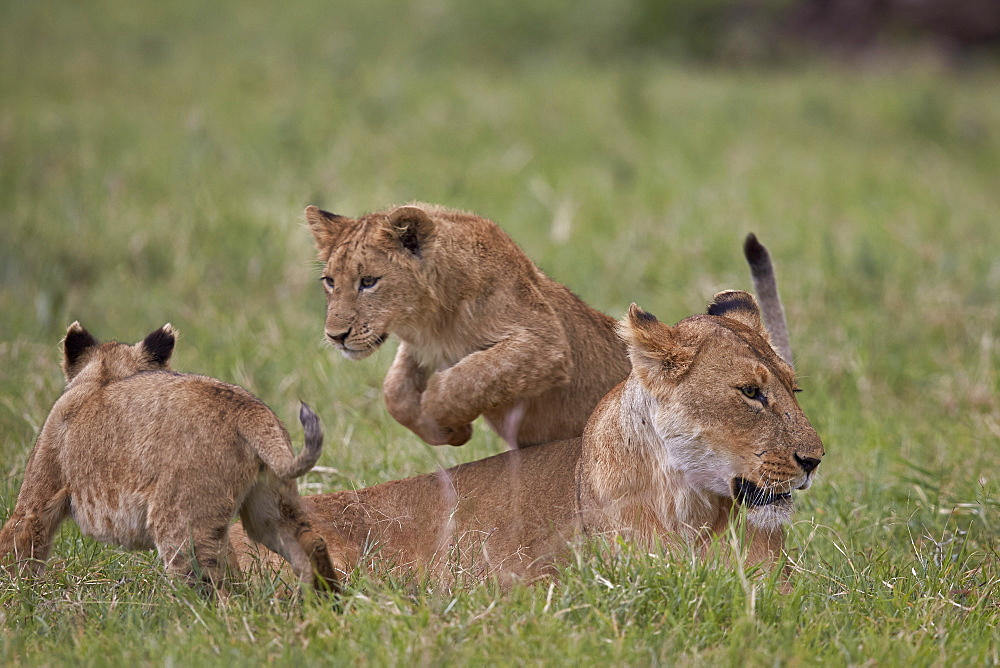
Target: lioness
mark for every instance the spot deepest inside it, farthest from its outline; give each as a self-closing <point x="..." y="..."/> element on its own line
<point x="142" y="457"/>
<point x="706" y="421"/>
<point x="482" y="330"/>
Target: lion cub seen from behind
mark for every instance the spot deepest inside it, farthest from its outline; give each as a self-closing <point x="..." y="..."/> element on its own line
<point x="143" y="457"/>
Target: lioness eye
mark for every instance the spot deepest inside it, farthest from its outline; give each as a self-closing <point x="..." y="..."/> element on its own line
<point x="327" y="281"/>
<point x="367" y="282"/>
<point x="750" y="391"/>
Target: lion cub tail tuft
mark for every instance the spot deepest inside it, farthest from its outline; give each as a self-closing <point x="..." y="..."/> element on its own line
<point x="290" y="468"/>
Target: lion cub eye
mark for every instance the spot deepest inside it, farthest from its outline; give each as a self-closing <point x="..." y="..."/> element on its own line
<point x="327" y="281"/>
<point x="751" y="392"/>
<point x="367" y="282"/>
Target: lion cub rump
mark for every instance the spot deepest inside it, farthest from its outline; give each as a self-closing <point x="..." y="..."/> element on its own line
<point x="144" y="457"/>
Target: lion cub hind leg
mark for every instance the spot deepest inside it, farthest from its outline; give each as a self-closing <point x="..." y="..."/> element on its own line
<point x="196" y="551"/>
<point x="272" y="515"/>
<point x="271" y="512"/>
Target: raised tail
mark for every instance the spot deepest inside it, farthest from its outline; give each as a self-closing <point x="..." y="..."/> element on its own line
<point x="766" y="287"/>
<point x="288" y="469"/>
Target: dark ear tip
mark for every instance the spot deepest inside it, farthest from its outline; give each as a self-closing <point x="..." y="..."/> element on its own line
<point x="160" y="343"/>
<point x="77" y="340"/>
<point x="408" y="213"/>
<point x="314" y="213"/>
<point x="728" y="301"/>
<point x="77" y="333"/>
<point x="637" y="314"/>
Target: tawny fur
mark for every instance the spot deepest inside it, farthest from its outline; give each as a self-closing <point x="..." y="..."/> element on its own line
<point x="482" y="330"/>
<point x="143" y="457"/>
<point x="660" y="462"/>
<point x="766" y="285"/>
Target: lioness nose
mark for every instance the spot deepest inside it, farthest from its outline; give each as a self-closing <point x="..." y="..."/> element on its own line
<point x="807" y="463"/>
<point x="338" y="338"/>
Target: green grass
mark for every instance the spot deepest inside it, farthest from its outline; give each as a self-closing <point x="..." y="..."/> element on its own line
<point x="154" y="163"/>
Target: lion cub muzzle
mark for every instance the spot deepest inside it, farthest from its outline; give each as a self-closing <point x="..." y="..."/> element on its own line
<point x="354" y="344"/>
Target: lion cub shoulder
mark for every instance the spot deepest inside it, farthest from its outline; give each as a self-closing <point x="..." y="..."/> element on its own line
<point x="143" y="457"/>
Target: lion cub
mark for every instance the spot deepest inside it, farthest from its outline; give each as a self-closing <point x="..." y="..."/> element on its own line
<point x="142" y="457"/>
<point x="482" y="330"/>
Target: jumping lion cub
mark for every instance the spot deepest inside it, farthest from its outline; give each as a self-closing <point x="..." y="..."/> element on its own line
<point x="143" y="457"/>
<point x="482" y="330"/>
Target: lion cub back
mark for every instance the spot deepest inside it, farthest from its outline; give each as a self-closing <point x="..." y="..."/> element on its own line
<point x="157" y="444"/>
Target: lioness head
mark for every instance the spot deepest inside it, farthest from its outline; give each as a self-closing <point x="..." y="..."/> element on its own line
<point x="371" y="274"/>
<point x="725" y="403"/>
<point x="85" y="355"/>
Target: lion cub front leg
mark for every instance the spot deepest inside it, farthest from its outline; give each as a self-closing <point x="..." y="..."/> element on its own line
<point x="273" y="516"/>
<point x="516" y="368"/>
<point x="42" y="505"/>
<point x="403" y="387"/>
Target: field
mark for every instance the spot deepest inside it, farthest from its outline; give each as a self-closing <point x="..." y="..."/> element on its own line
<point x="154" y="164"/>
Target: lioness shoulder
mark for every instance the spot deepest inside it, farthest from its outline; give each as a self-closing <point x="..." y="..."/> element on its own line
<point x="482" y="330"/>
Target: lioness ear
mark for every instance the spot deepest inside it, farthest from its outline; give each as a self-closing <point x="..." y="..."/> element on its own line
<point x="159" y="344"/>
<point x="325" y="228"/>
<point x="739" y="306"/>
<point x="78" y="340"/>
<point x="411" y="226"/>
<point x="653" y="347"/>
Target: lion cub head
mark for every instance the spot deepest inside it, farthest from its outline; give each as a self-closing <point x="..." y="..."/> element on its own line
<point x="107" y="362"/>
<point x="372" y="275"/>
<point x="722" y="406"/>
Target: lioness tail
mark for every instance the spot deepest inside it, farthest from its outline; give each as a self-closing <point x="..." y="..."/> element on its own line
<point x="766" y="287"/>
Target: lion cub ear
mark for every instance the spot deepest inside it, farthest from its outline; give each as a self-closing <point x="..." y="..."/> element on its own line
<point x="159" y="344"/>
<point x="77" y="341"/>
<point x="654" y="348"/>
<point x="739" y="306"/>
<point x="325" y="228"/>
<point x="411" y="226"/>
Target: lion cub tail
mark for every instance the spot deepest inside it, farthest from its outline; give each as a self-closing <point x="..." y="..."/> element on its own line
<point x="279" y="460"/>
<point x="766" y="286"/>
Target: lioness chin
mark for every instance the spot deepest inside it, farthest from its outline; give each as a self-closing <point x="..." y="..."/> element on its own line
<point x="143" y="457"/>
<point x="706" y="422"/>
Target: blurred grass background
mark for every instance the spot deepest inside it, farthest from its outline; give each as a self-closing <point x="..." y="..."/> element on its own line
<point x="154" y="163"/>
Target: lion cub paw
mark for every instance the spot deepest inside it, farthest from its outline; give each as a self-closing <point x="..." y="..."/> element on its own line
<point x="435" y="434"/>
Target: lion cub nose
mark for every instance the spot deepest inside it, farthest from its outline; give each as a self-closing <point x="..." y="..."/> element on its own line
<point x="808" y="464"/>
<point x="338" y="338"/>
